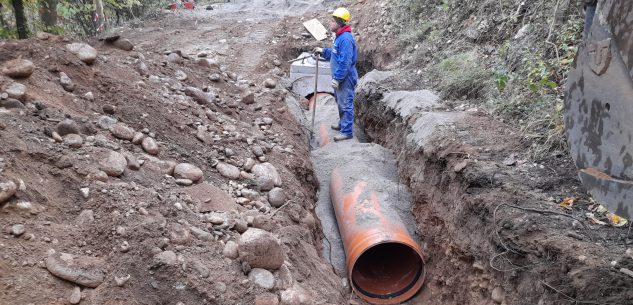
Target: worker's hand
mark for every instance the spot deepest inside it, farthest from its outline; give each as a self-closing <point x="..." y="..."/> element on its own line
<point x="335" y="84"/>
<point x="318" y="50"/>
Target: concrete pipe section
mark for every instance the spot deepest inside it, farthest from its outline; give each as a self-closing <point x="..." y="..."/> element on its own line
<point x="364" y="211"/>
<point x="302" y="74"/>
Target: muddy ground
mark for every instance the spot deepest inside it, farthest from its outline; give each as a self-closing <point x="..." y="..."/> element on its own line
<point x="489" y="219"/>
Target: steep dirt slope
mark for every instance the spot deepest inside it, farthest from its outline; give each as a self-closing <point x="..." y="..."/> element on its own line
<point x="143" y="236"/>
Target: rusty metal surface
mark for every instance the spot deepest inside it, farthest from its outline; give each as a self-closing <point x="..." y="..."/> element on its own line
<point x="607" y="189"/>
<point x="599" y="107"/>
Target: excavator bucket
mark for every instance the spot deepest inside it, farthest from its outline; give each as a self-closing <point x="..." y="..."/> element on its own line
<point x="599" y="107"/>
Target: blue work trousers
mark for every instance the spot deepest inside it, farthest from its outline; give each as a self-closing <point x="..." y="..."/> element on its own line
<point x="345" y="99"/>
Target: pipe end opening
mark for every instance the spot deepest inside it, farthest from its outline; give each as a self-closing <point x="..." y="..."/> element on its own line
<point x="388" y="271"/>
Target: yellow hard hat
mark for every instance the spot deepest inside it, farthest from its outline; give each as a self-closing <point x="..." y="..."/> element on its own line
<point x="342" y="13"/>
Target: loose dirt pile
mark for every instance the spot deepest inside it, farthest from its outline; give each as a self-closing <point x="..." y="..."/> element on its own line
<point x="159" y="175"/>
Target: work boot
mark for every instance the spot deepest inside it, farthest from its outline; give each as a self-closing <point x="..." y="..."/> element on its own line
<point x="342" y="137"/>
<point x="336" y="127"/>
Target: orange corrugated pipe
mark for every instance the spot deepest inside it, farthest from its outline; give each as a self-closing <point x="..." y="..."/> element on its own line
<point x="311" y="100"/>
<point x="324" y="135"/>
<point x="384" y="264"/>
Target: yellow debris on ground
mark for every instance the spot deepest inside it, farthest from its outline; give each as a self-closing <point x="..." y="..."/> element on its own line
<point x="616" y="220"/>
<point x="568" y="202"/>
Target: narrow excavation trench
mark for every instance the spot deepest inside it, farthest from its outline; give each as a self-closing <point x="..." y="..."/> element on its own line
<point x="445" y="187"/>
<point x="447" y="179"/>
<point x="364" y="210"/>
<point x="391" y="271"/>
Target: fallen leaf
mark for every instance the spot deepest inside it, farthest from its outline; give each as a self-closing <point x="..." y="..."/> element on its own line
<point x="601" y="209"/>
<point x="616" y="220"/>
<point x="595" y="220"/>
<point x="568" y="202"/>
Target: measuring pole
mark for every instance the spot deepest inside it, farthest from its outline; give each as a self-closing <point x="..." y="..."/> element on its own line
<point x="316" y="88"/>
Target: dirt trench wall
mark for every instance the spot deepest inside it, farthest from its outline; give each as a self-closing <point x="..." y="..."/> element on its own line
<point x="452" y="162"/>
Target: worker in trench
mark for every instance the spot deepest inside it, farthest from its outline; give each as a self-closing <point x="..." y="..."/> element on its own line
<point x="342" y="57"/>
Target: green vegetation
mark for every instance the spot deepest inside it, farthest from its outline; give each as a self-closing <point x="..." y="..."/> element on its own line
<point x="461" y="75"/>
<point x="417" y="34"/>
<point x="71" y="17"/>
<point x="516" y="66"/>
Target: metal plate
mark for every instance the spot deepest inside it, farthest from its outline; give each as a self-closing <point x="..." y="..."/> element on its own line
<point x="617" y="194"/>
<point x="618" y="14"/>
<point x="599" y="109"/>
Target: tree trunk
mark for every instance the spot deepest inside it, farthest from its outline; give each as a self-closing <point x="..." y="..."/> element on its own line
<point x="48" y="12"/>
<point x="99" y="16"/>
<point x="20" y="19"/>
<point x="4" y="24"/>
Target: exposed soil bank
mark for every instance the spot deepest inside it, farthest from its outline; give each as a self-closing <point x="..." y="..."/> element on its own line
<point x="491" y="225"/>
